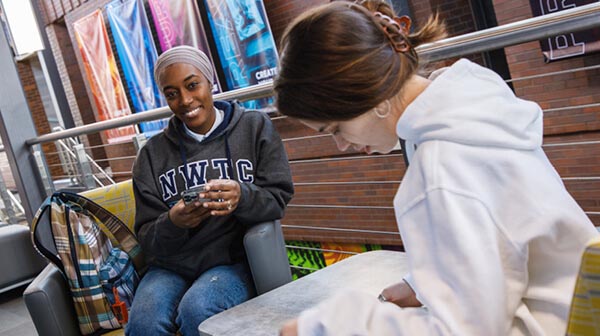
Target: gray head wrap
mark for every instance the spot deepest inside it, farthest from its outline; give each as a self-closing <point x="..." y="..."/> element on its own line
<point x="184" y="54"/>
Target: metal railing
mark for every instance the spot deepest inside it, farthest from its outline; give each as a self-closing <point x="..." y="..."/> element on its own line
<point x="78" y="164"/>
<point x="537" y="28"/>
<point x="244" y="94"/>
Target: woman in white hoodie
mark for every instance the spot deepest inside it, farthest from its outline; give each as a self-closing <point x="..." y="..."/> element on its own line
<point x="493" y="238"/>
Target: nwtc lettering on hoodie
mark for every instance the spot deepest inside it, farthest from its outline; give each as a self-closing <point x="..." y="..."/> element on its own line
<point x="194" y="174"/>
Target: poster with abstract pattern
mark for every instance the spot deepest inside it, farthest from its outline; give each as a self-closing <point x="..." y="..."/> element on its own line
<point x="137" y="54"/>
<point x="244" y="42"/>
<point x="178" y="22"/>
<point x="307" y="257"/>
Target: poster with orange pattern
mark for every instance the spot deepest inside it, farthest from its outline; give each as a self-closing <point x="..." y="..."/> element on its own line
<point x="345" y="251"/>
<point x="102" y="74"/>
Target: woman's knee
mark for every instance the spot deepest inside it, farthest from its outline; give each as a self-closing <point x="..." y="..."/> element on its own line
<point x="151" y="315"/>
<point x="228" y="285"/>
<point x="216" y="290"/>
<point x="196" y="310"/>
<point x="191" y="313"/>
<point x="155" y="303"/>
<point x="150" y="322"/>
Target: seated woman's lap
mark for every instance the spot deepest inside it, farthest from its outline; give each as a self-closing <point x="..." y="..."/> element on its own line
<point x="165" y="302"/>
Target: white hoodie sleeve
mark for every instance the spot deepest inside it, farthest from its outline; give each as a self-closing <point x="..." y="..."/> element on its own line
<point x="457" y="255"/>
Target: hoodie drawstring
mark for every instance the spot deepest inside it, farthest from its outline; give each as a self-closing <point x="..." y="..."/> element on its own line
<point x="228" y="154"/>
<point x="183" y="155"/>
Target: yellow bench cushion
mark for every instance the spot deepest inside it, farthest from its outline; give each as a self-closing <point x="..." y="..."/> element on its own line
<point x="117" y="198"/>
<point x="584" y="318"/>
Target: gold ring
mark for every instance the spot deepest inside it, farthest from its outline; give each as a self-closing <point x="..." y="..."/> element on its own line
<point x="229" y="206"/>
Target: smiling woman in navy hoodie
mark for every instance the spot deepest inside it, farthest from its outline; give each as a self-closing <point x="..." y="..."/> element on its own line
<point x="493" y="238"/>
<point x="197" y="260"/>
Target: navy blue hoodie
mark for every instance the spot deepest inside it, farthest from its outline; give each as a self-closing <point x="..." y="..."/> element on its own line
<point x="245" y="147"/>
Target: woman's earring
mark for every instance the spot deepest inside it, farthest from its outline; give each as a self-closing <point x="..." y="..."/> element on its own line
<point x="383" y="112"/>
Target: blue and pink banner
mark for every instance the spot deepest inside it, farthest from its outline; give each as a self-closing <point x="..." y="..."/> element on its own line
<point x="178" y="22"/>
<point x="244" y="42"/>
<point x="137" y="53"/>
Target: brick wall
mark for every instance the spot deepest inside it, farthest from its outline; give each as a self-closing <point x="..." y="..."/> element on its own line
<point x="36" y="108"/>
<point x="578" y="162"/>
<point x="66" y="62"/>
<point x="457" y="16"/>
<point x="556" y="91"/>
<point x="456" y="13"/>
<point x="55" y="10"/>
<point x="282" y="12"/>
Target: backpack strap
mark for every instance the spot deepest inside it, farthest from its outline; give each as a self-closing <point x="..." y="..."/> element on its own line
<point x="37" y="244"/>
<point x="112" y="223"/>
<point x="124" y="236"/>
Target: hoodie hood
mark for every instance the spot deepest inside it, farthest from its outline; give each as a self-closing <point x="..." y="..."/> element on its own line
<point x="472" y="105"/>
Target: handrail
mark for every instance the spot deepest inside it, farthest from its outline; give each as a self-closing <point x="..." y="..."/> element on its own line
<point x="16" y="202"/>
<point x="536" y="28"/>
<point x="243" y="94"/>
<point x="570" y="20"/>
<point x="91" y="160"/>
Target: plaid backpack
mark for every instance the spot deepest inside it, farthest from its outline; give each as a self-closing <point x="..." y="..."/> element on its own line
<point x="98" y="255"/>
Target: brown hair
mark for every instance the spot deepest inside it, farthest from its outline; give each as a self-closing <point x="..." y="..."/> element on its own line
<point x="337" y="60"/>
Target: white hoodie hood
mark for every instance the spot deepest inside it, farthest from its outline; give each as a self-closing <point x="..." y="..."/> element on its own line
<point x="467" y="89"/>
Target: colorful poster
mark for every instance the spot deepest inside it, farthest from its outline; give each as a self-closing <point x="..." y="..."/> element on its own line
<point x="244" y="42"/>
<point x="307" y="257"/>
<point x="137" y="53"/>
<point x="569" y="44"/>
<point x="304" y="258"/>
<point x="178" y="22"/>
<point x="102" y="74"/>
<point x="332" y="256"/>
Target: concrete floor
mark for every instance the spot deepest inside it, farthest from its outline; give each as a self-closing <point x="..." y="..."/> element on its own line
<point x="14" y="317"/>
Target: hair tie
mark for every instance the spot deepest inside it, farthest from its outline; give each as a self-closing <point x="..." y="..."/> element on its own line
<point x="401" y="23"/>
<point x="403" y="26"/>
